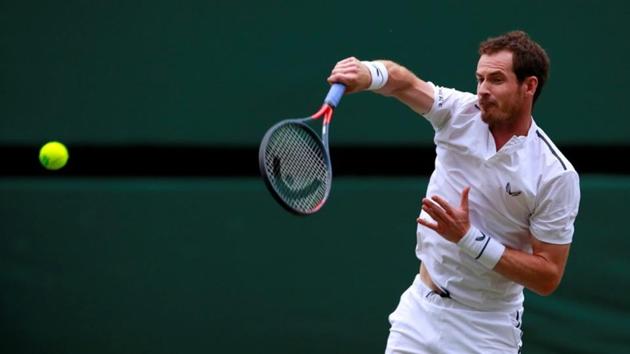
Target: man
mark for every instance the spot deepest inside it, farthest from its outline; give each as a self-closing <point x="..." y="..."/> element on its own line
<point x="500" y="203"/>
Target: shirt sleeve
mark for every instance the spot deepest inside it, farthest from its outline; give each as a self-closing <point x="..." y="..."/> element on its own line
<point x="446" y="103"/>
<point x="553" y="218"/>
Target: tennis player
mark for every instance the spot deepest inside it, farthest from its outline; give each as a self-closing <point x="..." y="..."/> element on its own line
<point x="500" y="205"/>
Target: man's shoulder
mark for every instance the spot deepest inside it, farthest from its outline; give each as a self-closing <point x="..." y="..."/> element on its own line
<point x="452" y="97"/>
<point x="555" y="162"/>
<point x="450" y="104"/>
<point x="555" y="171"/>
<point x="465" y="107"/>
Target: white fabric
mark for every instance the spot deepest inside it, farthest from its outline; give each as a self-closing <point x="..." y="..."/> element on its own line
<point x="481" y="247"/>
<point x="425" y="323"/>
<point x="378" y="73"/>
<point x="527" y="186"/>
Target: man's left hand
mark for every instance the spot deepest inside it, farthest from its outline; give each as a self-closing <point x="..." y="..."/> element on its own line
<point x="452" y="223"/>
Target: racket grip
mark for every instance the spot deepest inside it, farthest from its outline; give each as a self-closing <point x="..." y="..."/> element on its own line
<point x="334" y="94"/>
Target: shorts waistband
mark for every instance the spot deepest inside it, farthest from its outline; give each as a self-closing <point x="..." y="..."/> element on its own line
<point x="444" y="299"/>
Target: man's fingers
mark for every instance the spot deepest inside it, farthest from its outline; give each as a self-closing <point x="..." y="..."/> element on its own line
<point x="427" y="223"/>
<point x="443" y="203"/>
<point x="342" y="76"/>
<point x="345" y="71"/>
<point x="347" y="60"/>
<point x="433" y="209"/>
<point x="352" y="73"/>
<point x="348" y="64"/>
<point x="464" y="202"/>
<point x="449" y="220"/>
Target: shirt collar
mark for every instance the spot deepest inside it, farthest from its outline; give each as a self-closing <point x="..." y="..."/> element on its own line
<point x="518" y="140"/>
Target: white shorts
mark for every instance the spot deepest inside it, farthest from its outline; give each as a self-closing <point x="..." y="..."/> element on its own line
<point x="424" y="322"/>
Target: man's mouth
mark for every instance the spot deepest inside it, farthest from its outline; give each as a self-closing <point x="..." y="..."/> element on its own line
<point x="486" y="104"/>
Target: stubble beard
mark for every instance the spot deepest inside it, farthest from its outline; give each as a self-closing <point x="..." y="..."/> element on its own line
<point x="494" y="116"/>
<point x="498" y="115"/>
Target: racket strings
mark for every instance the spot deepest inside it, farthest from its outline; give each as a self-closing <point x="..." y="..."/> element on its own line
<point x="297" y="167"/>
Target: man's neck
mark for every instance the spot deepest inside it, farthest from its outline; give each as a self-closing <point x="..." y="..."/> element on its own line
<point x="502" y="133"/>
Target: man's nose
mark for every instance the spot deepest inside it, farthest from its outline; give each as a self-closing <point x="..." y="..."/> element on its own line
<point x="482" y="89"/>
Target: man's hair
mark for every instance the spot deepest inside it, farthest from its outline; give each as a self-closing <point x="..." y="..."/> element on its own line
<point x="528" y="57"/>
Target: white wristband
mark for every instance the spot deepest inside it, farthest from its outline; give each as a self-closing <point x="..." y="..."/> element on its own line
<point x="378" y="72"/>
<point x="484" y="249"/>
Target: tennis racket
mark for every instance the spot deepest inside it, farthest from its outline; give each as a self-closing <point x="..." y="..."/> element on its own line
<point x="295" y="162"/>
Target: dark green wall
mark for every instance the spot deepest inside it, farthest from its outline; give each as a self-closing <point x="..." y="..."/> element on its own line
<point x="215" y="266"/>
<point x="221" y="72"/>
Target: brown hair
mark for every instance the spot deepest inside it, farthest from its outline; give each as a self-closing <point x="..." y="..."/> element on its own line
<point x="528" y="57"/>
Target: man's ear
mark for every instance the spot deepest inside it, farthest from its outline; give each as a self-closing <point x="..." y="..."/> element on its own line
<point x="530" y="84"/>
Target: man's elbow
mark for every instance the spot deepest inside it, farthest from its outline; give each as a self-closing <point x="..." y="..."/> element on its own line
<point x="548" y="285"/>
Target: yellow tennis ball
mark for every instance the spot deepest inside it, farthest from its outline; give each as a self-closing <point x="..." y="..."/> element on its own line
<point x="53" y="155"/>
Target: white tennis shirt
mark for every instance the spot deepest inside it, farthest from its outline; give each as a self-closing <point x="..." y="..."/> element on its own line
<point x="527" y="186"/>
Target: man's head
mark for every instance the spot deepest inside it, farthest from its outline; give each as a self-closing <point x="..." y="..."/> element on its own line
<point x="511" y="72"/>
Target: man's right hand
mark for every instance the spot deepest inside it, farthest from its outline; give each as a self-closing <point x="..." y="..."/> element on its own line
<point x="352" y="73"/>
<point x="401" y="83"/>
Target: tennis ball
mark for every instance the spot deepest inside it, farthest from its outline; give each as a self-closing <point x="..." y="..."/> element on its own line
<point x="53" y="155"/>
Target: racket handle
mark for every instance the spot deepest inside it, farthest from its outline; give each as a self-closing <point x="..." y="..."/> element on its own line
<point x="334" y="94"/>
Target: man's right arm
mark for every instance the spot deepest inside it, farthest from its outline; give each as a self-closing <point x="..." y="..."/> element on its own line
<point x="402" y="84"/>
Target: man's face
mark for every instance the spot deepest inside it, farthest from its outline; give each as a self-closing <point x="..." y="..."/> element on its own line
<point x="501" y="96"/>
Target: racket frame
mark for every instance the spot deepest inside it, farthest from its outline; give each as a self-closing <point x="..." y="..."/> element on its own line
<point x="326" y="112"/>
<point x="323" y="144"/>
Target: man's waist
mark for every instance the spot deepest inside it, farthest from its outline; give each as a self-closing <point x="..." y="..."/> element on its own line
<point x="479" y="299"/>
<point x="425" y="277"/>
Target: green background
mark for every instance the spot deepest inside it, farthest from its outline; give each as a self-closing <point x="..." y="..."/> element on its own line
<point x="199" y="72"/>
<point x="215" y="266"/>
<point x="203" y="265"/>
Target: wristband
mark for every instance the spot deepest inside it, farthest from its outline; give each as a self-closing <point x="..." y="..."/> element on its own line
<point x="481" y="247"/>
<point x="378" y="72"/>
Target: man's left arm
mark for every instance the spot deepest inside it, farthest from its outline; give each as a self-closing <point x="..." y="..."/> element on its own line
<point x="541" y="271"/>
